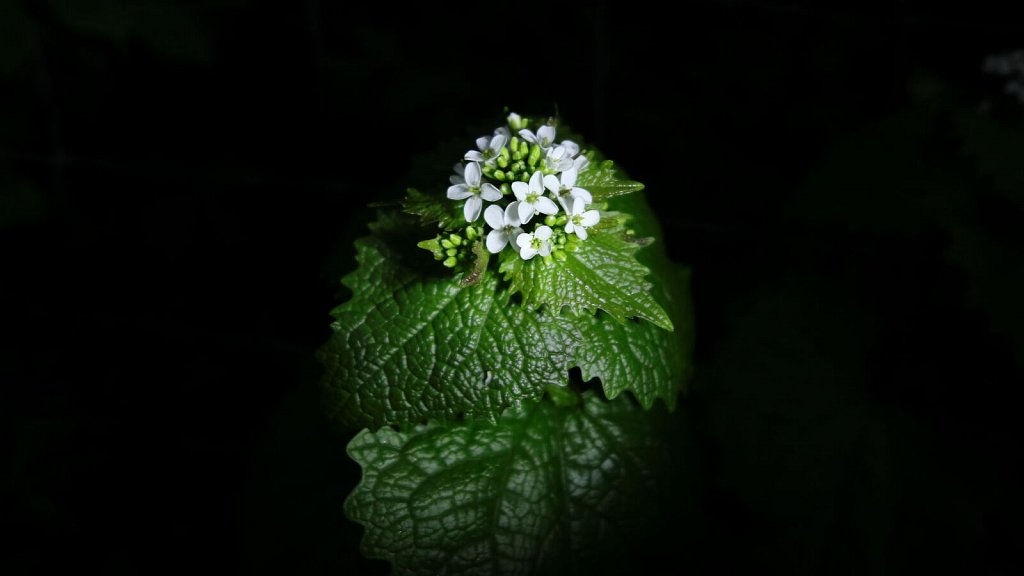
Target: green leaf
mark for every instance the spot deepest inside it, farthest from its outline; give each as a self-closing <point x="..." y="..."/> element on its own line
<point x="603" y="181"/>
<point x="603" y="274"/>
<point x="411" y="346"/>
<point x="665" y="358"/>
<point x="618" y="352"/>
<point x="544" y="490"/>
<point x="432" y="209"/>
<point x="408" y="348"/>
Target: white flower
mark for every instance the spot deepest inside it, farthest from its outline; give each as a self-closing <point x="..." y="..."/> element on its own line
<point x="558" y="159"/>
<point x="565" y="190"/>
<point x="572" y="148"/>
<point x="472" y="191"/>
<point x="531" y="198"/>
<point x="489" y="148"/>
<point x="505" y="226"/>
<point x="545" y="136"/>
<point x="579" y="220"/>
<point x="539" y="242"/>
<point x="580" y="163"/>
<point x="515" y="121"/>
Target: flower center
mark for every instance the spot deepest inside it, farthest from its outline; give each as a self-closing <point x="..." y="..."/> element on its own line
<point x="535" y="243"/>
<point x="577" y="220"/>
<point x="532" y="197"/>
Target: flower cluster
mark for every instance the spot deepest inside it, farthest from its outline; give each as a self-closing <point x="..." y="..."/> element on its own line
<point x="528" y="178"/>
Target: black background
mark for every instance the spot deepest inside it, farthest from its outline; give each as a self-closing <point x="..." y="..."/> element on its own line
<point x="181" y="184"/>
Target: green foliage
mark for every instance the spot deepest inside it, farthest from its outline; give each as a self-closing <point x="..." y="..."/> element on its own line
<point x="432" y="209"/>
<point x="480" y="455"/>
<point x="408" y="348"/>
<point x="603" y="274"/>
<point x="538" y="492"/>
<point x="603" y="181"/>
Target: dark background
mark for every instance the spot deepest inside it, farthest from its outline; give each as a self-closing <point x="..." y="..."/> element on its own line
<point x="180" y="183"/>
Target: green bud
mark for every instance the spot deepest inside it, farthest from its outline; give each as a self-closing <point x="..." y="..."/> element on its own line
<point x="445" y="243"/>
<point x="506" y="189"/>
<point x="550" y="220"/>
<point x="498" y="175"/>
<point x="560" y="255"/>
<point x="450" y="262"/>
<point x="452" y="251"/>
<point x="504" y="153"/>
<point x="456" y="239"/>
<point x="519" y="166"/>
<point x="503" y="161"/>
<point x="524" y="176"/>
<point x="534" y="154"/>
<point x="471" y="233"/>
<point x="524" y="148"/>
<point x="548" y="260"/>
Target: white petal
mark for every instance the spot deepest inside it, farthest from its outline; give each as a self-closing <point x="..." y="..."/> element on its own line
<point x="456" y="179"/>
<point x="561" y="165"/>
<point x="582" y="195"/>
<point x="473" y="175"/>
<point x="551" y="183"/>
<point x="503" y="131"/>
<point x="566" y="207"/>
<point x="542" y="232"/>
<point x="482" y="142"/>
<point x="514" y="118"/>
<point x="555" y="154"/>
<point x="525" y="212"/>
<point x="523" y="240"/>
<point x="458" y="192"/>
<point x="546" y="135"/>
<point x="581" y="232"/>
<point x="460" y="169"/>
<point x="472" y="208"/>
<point x="569" y="178"/>
<point x="527" y="252"/>
<point x="537" y="183"/>
<point x="494" y="217"/>
<point x="497" y="142"/>
<point x="496" y="240"/>
<point x="473" y="156"/>
<point x="577" y="206"/>
<point x="528" y="135"/>
<point x="514" y="235"/>
<point x="590" y="218"/>
<point x="545" y="205"/>
<point x="520" y="189"/>
<point x="512" y="214"/>
<point x="571" y="147"/>
<point x="490" y="192"/>
<point x="580" y="163"/>
<point x="569" y="227"/>
<point x="545" y="249"/>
